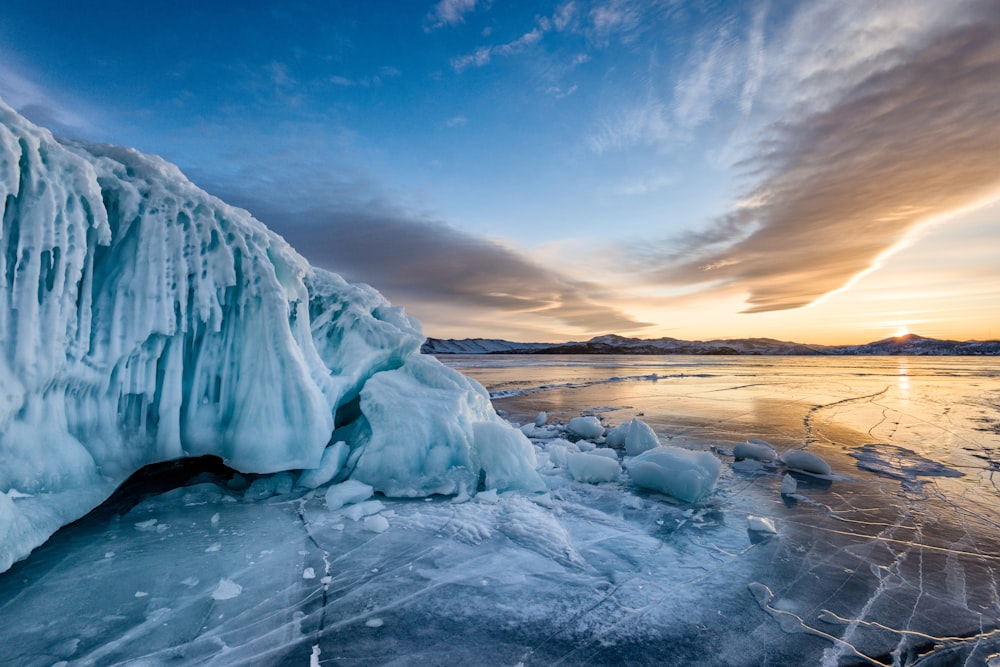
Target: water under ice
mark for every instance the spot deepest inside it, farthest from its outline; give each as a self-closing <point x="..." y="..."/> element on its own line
<point x="893" y="558"/>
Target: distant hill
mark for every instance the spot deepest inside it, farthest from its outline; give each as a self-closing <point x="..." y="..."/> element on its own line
<point x="909" y="345"/>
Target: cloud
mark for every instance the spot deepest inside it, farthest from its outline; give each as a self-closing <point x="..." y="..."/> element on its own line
<point x="484" y="54"/>
<point x="456" y="121"/>
<point x="900" y="138"/>
<point x="448" y="13"/>
<point x="645" y="122"/>
<point x="357" y="231"/>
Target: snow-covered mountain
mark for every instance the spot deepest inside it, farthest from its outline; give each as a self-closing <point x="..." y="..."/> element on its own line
<point x="914" y="345"/>
<point x="910" y="344"/>
<point x="143" y="320"/>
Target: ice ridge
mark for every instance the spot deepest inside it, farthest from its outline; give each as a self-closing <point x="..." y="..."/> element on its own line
<point x="144" y="320"/>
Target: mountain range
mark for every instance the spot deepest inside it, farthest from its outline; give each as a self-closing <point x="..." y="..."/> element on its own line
<point x="908" y="345"/>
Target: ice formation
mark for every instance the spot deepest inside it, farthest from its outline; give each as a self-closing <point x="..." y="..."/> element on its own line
<point x="586" y="427"/>
<point x="144" y="320"/>
<point x="753" y="448"/>
<point x="640" y="438"/>
<point x="684" y="474"/>
<point x="798" y="459"/>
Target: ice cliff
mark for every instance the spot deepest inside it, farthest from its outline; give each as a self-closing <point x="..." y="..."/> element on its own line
<point x="144" y="320"/>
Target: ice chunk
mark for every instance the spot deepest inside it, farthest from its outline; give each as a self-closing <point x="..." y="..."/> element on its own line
<point x="586" y="427"/>
<point x="334" y="458"/>
<point x="144" y="320"/>
<point x="346" y="493"/>
<point x="806" y="462"/>
<point x="226" y="590"/>
<point x="429" y="429"/>
<point x="684" y="474"/>
<point x="755" y="449"/>
<point x="760" y="524"/>
<point x="605" y="452"/>
<point x="361" y="510"/>
<point x="616" y="436"/>
<point x="593" y="469"/>
<point x="541" y="418"/>
<point x="760" y="529"/>
<point x="788" y="485"/>
<point x="376" y="523"/>
<point x="640" y="438"/>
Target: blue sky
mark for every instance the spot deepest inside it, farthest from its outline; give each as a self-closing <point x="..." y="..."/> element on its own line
<point x="545" y="171"/>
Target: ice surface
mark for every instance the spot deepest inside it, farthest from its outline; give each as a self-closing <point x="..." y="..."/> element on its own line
<point x="144" y="320"/>
<point x="865" y="568"/>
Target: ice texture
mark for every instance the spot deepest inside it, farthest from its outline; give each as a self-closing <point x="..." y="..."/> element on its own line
<point x="143" y="320"/>
<point x="684" y="474"/>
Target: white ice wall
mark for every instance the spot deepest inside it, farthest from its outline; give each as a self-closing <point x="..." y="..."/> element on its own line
<point x="142" y="320"/>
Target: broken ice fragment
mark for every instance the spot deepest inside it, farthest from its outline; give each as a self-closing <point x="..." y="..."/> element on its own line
<point x="640" y="438"/>
<point x="755" y="449"/>
<point x="346" y="493"/>
<point x="681" y="473"/>
<point x="760" y="524"/>
<point x="788" y="485"/>
<point x="806" y="462"/>
<point x="227" y="589"/>
<point x="586" y="427"/>
<point x="376" y="523"/>
<point x="593" y="469"/>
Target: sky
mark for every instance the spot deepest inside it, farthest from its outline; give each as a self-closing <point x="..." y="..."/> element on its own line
<point x="824" y="171"/>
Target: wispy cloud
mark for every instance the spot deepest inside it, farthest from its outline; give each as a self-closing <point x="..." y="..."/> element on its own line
<point x="448" y="13"/>
<point x="456" y="121"/>
<point x="71" y="119"/>
<point x="484" y="54"/>
<point x="905" y="135"/>
<point x="644" y="122"/>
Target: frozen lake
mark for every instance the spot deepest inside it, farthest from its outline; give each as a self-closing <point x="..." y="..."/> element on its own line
<point x="894" y="559"/>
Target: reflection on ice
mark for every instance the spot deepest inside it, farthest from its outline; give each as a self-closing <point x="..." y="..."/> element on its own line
<point x="893" y="558"/>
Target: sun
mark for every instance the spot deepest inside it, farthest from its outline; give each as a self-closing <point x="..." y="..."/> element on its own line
<point x="901" y="331"/>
